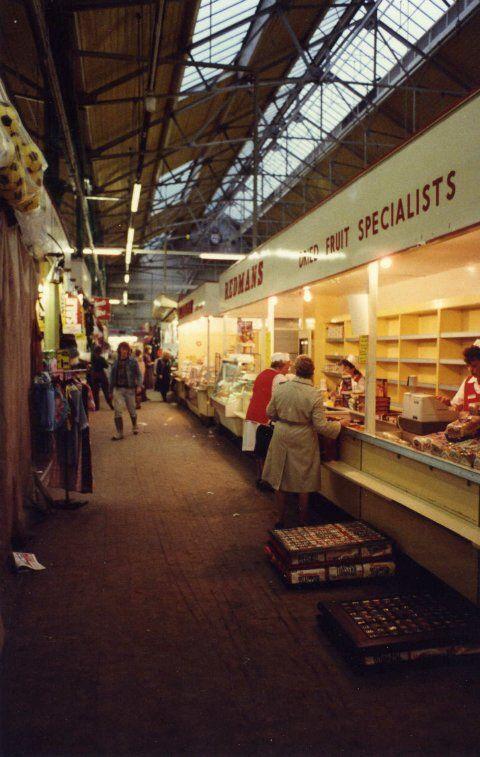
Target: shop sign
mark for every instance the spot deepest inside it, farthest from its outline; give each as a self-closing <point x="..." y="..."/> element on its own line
<point x="363" y="348"/>
<point x="425" y="190"/>
<point x="102" y="308"/>
<point x="244" y="281"/>
<point x="185" y="309"/>
<point x="72" y="323"/>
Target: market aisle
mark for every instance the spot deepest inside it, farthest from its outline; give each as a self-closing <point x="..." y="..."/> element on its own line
<point x="159" y="628"/>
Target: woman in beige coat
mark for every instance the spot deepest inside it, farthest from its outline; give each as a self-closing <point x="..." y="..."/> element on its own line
<point x="293" y="460"/>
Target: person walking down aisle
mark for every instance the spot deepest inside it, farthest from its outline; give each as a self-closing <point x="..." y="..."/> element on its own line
<point x="140" y="395"/>
<point x="100" y="378"/>
<point x="125" y="380"/>
<point x="164" y="375"/>
<point x="293" y="459"/>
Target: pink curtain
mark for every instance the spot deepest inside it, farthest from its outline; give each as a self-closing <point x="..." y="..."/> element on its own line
<point x="18" y="291"/>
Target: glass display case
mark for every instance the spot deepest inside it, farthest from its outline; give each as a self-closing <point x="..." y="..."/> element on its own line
<point x="233" y="387"/>
<point x="195" y="375"/>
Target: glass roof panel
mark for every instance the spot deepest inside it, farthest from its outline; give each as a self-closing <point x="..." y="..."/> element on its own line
<point x="171" y="185"/>
<point x="320" y="109"/>
<point x="214" y="16"/>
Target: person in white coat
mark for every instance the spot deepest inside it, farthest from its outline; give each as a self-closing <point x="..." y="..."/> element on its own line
<point x="293" y="459"/>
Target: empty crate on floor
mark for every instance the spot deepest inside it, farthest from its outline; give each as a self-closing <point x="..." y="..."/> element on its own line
<point x="332" y="552"/>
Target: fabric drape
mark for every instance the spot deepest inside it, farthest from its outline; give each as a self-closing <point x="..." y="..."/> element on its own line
<point x="18" y="292"/>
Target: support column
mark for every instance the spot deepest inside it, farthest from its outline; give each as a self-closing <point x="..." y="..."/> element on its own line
<point x="270" y="335"/>
<point x="52" y="315"/>
<point x="208" y="344"/>
<point x="371" y="372"/>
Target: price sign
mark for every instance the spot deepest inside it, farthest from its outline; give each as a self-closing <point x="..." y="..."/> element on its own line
<point x="363" y="348"/>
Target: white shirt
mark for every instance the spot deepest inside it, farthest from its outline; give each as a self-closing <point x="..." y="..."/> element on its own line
<point x="460" y="395"/>
<point x="358" y="387"/>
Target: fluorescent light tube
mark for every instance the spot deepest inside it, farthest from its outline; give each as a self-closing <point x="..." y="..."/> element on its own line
<point x="221" y="256"/>
<point x="129" y="247"/>
<point x="126" y="278"/>
<point x="137" y="188"/>
<point x="125" y="297"/>
<point x="102" y="198"/>
<point x="113" y="251"/>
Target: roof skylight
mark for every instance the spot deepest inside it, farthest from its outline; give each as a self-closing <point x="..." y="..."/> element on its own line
<point x="217" y="17"/>
<point x="315" y="111"/>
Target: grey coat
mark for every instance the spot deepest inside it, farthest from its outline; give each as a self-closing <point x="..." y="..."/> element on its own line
<point x="293" y="459"/>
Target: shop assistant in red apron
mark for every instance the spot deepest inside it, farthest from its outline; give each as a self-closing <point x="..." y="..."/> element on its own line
<point x="468" y="396"/>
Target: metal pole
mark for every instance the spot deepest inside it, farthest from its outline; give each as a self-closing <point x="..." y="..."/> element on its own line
<point x="255" y="165"/>
<point x="371" y="372"/>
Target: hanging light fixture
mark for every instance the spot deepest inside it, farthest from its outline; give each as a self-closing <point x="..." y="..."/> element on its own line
<point x="137" y="189"/>
<point x="129" y="246"/>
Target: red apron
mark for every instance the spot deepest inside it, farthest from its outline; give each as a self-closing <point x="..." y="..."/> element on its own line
<point x="470" y="395"/>
<point x="262" y="393"/>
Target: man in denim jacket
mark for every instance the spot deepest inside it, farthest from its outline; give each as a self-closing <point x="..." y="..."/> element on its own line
<point x="125" y="378"/>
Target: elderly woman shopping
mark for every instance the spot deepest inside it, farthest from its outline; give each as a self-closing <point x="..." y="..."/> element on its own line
<point x="293" y="460"/>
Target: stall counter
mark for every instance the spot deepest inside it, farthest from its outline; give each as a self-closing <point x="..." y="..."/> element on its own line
<point x="430" y="506"/>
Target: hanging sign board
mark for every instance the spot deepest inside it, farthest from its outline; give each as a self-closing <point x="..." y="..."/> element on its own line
<point x="72" y="315"/>
<point x="420" y="192"/>
<point x="102" y="308"/>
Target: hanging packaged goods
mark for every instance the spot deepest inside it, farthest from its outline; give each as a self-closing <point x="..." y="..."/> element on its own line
<point x="22" y="164"/>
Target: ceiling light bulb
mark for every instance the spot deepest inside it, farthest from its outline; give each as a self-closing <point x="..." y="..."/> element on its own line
<point x="386" y="262"/>
<point x="307" y="295"/>
<point x="137" y="189"/>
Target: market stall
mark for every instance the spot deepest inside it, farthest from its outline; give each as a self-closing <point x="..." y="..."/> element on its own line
<point x="203" y="337"/>
<point x="388" y="267"/>
<point x="262" y="328"/>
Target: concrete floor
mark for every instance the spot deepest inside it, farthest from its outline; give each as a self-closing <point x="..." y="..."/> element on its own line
<point x="159" y="628"/>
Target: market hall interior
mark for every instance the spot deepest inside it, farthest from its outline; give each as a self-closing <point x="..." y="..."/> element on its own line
<point x="159" y="627"/>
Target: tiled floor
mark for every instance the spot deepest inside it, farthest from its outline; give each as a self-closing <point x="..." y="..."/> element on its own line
<point x="158" y="627"/>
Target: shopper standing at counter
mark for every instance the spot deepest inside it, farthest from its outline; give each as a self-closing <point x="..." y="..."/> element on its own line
<point x="293" y="460"/>
<point x="256" y="432"/>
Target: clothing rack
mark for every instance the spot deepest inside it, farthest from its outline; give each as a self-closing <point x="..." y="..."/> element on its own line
<point x="67" y="503"/>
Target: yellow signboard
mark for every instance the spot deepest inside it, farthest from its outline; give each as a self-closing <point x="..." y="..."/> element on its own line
<point x="363" y="348"/>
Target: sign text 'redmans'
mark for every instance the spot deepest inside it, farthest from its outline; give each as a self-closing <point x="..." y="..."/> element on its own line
<point x="243" y="282"/>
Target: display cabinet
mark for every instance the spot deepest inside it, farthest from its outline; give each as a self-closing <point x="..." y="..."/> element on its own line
<point x="231" y="395"/>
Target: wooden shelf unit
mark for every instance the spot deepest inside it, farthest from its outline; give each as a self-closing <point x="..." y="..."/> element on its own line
<point x="427" y="343"/>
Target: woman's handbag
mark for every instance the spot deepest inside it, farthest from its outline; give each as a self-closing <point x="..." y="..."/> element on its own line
<point x="263" y="439"/>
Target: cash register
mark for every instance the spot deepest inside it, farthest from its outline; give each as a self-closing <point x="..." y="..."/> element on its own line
<point x="424" y="414"/>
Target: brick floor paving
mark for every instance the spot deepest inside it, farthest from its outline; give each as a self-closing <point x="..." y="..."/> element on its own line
<point x="158" y="627"/>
